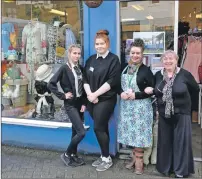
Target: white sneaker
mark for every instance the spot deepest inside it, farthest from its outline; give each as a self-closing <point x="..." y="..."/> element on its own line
<point x="97" y="162"/>
<point x="106" y="164"/>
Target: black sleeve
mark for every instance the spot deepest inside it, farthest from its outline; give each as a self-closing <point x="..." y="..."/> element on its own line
<point x="193" y="88"/>
<point x="85" y="80"/>
<point x="84" y="96"/>
<point x="52" y="85"/>
<point x="149" y="79"/>
<point x="114" y="74"/>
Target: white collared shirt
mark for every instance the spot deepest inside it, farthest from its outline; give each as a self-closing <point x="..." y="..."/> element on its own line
<point x="103" y="55"/>
<point x="75" y="79"/>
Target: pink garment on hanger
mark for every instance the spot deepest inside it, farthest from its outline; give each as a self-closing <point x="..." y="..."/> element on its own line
<point x="194" y="56"/>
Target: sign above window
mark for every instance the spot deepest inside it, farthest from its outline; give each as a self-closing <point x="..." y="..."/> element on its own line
<point x="93" y="4"/>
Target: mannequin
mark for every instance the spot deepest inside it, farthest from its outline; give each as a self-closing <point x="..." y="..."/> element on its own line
<point x="45" y="103"/>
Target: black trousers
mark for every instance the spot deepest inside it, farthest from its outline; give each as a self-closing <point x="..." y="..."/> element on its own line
<point x="101" y="113"/>
<point x="174" y="149"/>
<point x="78" y="131"/>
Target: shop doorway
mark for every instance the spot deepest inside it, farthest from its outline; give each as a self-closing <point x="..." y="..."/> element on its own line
<point x="159" y="18"/>
<point x="189" y="34"/>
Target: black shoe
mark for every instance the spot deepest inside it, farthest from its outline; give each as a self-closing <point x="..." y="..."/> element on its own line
<point x="78" y="160"/>
<point x="179" y="176"/>
<point x="67" y="160"/>
<point x="185" y="176"/>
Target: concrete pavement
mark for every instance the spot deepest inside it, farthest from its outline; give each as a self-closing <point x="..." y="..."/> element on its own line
<point x="31" y="163"/>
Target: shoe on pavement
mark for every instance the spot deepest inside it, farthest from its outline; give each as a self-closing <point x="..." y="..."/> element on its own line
<point x="68" y="160"/>
<point x="97" y="162"/>
<point x="78" y="160"/>
<point x="105" y="165"/>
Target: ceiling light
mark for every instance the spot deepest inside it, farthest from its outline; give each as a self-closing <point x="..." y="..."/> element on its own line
<point x="8" y="1"/>
<point x="199" y="15"/>
<point x="128" y="19"/>
<point x="194" y="10"/>
<point x="149" y="17"/>
<point x="138" y="7"/>
<point x="54" y="11"/>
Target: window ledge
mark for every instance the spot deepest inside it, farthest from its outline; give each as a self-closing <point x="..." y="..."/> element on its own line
<point x="37" y="123"/>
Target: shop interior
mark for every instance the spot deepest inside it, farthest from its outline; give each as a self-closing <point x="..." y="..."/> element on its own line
<point x="154" y="21"/>
<point x="36" y="34"/>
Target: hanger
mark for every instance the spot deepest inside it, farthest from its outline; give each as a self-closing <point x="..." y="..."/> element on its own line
<point x="67" y="26"/>
<point x="33" y="20"/>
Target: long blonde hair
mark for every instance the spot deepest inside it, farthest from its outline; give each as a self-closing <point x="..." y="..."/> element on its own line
<point x="69" y="50"/>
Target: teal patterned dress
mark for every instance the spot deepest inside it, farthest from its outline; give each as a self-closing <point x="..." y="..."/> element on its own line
<point x="136" y="116"/>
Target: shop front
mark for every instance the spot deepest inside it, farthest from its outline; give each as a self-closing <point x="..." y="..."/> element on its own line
<point x="35" y="33"/>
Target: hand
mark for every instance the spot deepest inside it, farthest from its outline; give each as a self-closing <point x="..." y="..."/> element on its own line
<point x="91" y="97"/>
<point x="83" y="108"/>
<point x="131" y="95"/>
<point x="149" y="90"/>
<point x="68" y="95"/>
<point x="124" y="95"/>
<point x="95" y="101"/>
<point x="157" y="115"/>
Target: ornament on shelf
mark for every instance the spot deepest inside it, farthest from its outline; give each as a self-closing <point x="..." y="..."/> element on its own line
<point x="93" y="4"/>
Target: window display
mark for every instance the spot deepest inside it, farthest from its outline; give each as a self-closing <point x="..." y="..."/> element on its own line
<point x="34" y="43"/>
<point x="153" y="22"/>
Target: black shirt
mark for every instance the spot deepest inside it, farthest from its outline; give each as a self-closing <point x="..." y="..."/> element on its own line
<point x="185" y="92"/>
<point x="41" y="88"/>
<point x="145" y="78"/>
<point x="98" y="71"/>
<point x="66" y="79"/>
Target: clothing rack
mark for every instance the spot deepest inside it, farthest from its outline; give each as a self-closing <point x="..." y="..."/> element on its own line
<point x="14" y="20"/>
<point x="197" y="34"/>
<point x="182" y="55"/>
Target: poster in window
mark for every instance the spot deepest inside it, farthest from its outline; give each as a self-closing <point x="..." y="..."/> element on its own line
<point x="154" y="41"/>
<point x="127" y="49"/>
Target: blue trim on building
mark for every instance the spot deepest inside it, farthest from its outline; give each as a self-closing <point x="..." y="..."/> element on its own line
<point x="103" y="17"/>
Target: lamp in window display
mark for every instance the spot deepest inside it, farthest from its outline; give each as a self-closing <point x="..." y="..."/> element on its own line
<point x="93" y="4"/>
<point x="45" y="103"/>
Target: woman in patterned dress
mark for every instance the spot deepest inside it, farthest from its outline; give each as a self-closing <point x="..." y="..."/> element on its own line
<point x="136" y="113"/>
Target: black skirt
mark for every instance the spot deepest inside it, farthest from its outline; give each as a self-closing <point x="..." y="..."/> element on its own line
<point x="174" y="150"/>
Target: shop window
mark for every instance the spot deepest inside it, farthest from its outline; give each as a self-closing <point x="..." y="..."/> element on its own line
<point x="153" y="21"/>
<point x="35" y="33"/>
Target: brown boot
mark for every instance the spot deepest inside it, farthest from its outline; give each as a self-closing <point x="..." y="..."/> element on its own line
<point x="131" y="164"/>
<point x="139" y="165"/>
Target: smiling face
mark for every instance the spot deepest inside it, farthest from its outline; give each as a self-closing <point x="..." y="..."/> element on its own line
<point x="75" y="54"/>
<point x="169" y="61"/>
<point x="136" y="55"/>
<point x="101" y="46"/>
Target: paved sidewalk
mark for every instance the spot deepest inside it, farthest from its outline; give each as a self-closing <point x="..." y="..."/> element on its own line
<point x="30" y="163"/>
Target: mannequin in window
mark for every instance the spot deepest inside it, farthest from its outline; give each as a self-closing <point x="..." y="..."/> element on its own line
<point x="45" y="102"/>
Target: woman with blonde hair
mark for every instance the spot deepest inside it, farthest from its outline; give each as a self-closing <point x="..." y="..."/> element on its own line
<point x="175" y="90"/>
<point x="102" y="80"/>
<point x="70" y="78"/>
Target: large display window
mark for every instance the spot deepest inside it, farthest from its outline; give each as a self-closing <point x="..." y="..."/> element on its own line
<point x="35" y="37"/>
<point x="154" y="22"/>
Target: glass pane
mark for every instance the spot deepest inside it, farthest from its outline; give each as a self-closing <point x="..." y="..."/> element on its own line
<point x="35" y="33"/>
<point x="153" y="21"/>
